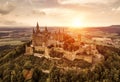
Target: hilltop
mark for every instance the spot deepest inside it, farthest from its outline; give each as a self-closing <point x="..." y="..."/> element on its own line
<point x="45" y="70"/>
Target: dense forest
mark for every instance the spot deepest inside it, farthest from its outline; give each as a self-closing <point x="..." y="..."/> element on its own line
<point x="16" y="67"/>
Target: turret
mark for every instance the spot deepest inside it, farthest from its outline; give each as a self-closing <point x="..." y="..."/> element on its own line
<point x="59" y="31"/>
<point x="33" y="31"/>
<point x="37" y="28"/>
<point x="46" y="30"/>
<point x="63" y="30"/>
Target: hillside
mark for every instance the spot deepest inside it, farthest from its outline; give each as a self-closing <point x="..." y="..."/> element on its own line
<point x="16" y="67"/>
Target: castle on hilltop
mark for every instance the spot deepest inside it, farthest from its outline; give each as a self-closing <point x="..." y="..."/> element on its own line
<point x="40" y="37"/>
<point x="46" y="38"/>
<point x="56" y="43"/>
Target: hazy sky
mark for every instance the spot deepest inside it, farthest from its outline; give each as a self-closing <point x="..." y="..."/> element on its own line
<point x="59" y="12"/>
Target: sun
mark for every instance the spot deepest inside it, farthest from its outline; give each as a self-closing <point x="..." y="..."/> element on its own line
<point x="77" y="23"/>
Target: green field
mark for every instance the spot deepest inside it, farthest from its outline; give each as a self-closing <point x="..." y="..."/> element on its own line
<point x="10" y="41"/>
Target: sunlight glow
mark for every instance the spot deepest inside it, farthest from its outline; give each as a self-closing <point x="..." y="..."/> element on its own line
<point x="77" y="23"/>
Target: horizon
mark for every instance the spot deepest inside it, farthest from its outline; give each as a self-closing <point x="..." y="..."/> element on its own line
<point x="68" y="13"/>
<point x="81" y="27"/>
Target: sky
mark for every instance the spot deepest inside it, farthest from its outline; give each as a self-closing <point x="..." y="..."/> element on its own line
<point x="59" y="12"/>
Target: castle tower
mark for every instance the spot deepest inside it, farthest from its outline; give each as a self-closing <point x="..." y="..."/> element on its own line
<point x="46" y="30"/>
<point x="63" y="35"/>
<point x="63" y="30"/>
<point x="59" y="31"/>
<point x="58" y="35"/>
<point x="79" y="37"/>
<point x="33" y="31"/>
<point x="37" y="28"/>
<point x="39" y="37"/>
<point x="33" y="37"/>
<point x="55" y="35"/>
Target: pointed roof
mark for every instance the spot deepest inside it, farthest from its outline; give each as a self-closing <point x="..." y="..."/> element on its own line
<point x="59" y="31"/>
<point x="37" y="24"/>
<point x="37" y="28"/>
<point x="33" y="31"/>
<point x="46" y="29"/>
<point x="63" y="30"/>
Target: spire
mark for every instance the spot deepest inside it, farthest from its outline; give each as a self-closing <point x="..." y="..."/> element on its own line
<point x="59" y="31"/>
<point x="63" y="30"/>
<point x="46" y="29"/>
<point x="37" y="28"/>
<point x="33" y="31"/>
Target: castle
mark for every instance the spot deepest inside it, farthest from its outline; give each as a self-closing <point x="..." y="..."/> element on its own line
<point x="44" y="38"/>
<point x="40" y="37"/>
<point x="61" y="42"/>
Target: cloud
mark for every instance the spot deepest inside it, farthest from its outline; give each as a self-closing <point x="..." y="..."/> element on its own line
<point x="39" y="12"/>
<point x="76" y="5"/>
<point x="116" y="10"/>
<point x="88" y="1"/>
<point x="6" y="8"/>
<point x="45" y="3"/>
<point x="116" y="4"/>
<point x="91" y="6"/>
<point x="7" y="22"/>
<point x="61" y="10"/>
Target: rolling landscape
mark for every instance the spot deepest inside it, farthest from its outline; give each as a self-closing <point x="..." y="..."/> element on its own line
<point x="59" y="41"/>
<point x="57" y="68"/>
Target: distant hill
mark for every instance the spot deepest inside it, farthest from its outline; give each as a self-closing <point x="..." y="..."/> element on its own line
<point x="110" y="29"/>
<point x="115" y="26"/>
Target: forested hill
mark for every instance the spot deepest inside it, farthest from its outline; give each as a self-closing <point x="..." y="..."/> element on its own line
<point x="109" y="29"/>
<point x="16" y="67"/>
